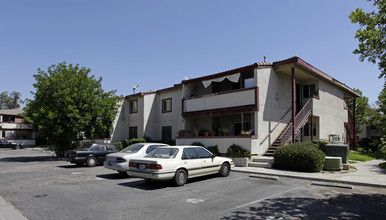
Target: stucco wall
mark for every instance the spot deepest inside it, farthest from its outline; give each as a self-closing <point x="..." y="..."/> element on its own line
<point x="173" y="118"/>
<point x="330" y="110"/>
<point x="274" y="101"/>
<point x="120" y="126"/>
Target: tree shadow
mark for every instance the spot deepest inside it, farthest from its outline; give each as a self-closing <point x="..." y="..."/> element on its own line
<point x="30" y="159"/>
<point x="353" y="206"/>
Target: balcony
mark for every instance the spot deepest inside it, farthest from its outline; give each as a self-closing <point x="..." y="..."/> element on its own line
<point x="15" y="126"/>
<point x="242" y="99"/>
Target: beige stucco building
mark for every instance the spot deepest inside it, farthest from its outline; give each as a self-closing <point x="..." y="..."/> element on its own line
<point x="14" y="129"/>
<point x="252" y="106"/>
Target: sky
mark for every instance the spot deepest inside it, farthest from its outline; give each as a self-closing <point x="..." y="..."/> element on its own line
<point x="155" y="44"/>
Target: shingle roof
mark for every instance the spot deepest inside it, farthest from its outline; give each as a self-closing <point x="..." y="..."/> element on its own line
<point x="11" y="111"/>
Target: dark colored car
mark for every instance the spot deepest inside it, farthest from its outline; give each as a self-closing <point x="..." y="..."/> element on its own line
<point x="5" y="143"/>
<point x="92" y="156"/>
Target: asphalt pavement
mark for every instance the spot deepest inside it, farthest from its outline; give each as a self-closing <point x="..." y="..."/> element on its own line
<point x="364" y="174"/>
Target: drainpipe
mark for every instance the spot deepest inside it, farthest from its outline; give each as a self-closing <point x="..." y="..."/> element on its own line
<point x="293" y="103"/>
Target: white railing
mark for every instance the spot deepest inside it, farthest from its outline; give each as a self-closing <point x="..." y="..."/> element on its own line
<point x="15" y="126"/>
<point x="229" y="99"/>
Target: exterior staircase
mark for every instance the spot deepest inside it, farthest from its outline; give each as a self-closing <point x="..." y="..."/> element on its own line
<point x="286" y="135"/>
<point x="260" y="161"/>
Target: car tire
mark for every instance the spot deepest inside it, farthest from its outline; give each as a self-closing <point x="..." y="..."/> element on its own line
<point x="91" y="162"/>
<point x="224" y="170"/>
<point x="180" y="177"/>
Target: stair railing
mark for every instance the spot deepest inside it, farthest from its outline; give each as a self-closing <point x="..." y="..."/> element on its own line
<point x="300" y="119"/>
<point x="277" y="124"/>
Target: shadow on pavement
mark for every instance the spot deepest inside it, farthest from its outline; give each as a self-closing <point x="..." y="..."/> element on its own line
<point x="353" y="206"/>
<point x="30" y="159"/>
<point x="113" y="176"/>
<point x="147" y="185"/>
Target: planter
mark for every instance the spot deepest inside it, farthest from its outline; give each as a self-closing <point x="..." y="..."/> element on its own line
<point x="241" y="161"/>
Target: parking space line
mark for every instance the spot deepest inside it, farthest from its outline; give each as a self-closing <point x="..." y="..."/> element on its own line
<point x="259" y="200"/>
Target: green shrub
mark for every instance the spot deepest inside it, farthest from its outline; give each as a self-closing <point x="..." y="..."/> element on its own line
<point x="126" y="143"/>
<point x="214" y="150"/>
<point x="197" y="144"/>
<point x="299" y="157"/>
<point x="365" y="143"/>
<point x="237" y="151"/>
<point x="321" y="145"/>
<point x="119" y="145"/>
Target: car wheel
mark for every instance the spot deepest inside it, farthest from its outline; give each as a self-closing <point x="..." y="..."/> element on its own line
<point x="180" y="177"/>
<point x="91" y="162"/>
<point x="224" y="170"/>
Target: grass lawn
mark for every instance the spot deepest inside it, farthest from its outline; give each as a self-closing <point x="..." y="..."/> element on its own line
<point x="360" y="156"/>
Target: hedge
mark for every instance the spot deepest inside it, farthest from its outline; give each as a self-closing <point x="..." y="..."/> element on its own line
<point x="303" y="156"/>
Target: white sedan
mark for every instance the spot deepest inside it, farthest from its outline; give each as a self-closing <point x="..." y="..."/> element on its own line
<point x="178" y="163"/>
<point x="119" y="161"/>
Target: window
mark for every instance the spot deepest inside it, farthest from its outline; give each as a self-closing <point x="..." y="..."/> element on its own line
<point x="166" y="132"/>
<point x="151" y="148"/>
<point x="166" y="105"/>
<point x="309" y="91"/>
<point x="307" y="129"/>
<point x="202" y="153"/>
<point x="133" y="106"/>
<point x="133" y="133"/>
<point x="189" y="153"/>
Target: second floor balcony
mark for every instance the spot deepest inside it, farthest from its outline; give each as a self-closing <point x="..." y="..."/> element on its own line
<point x="241" y="98"/>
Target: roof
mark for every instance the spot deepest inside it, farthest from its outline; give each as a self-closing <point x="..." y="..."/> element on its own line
<point x="292" y="60"/>
<point x="11" y="111"/>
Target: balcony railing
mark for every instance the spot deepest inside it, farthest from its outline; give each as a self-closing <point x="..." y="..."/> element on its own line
<point x="7" y="125"/>
<point x="223" y="100"/>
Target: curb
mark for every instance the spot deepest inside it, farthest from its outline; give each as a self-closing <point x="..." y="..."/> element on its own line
<point x="314" y="179"/>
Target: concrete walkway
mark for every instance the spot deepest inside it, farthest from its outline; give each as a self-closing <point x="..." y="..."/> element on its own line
<point x="367" y="174"/>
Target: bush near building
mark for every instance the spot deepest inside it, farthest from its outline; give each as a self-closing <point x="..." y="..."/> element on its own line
<point x="302" y="156"/>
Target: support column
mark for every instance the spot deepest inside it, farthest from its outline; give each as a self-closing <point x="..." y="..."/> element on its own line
<point x="312" y="127"/>
<point x="293" y="88"/>
<point x="355" y="124"/>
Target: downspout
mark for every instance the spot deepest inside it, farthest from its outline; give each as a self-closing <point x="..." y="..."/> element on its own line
<point x="293" y="103"/>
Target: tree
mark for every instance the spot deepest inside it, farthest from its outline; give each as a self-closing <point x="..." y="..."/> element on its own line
<point x="372" y="35"/>
<point x="362" y="108"/>
<point x="10" y="101"/>
<point x="381" y="119"/>
<point x="69" y="104"/>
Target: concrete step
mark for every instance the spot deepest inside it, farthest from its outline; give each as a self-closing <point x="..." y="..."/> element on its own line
<point x="268" y="154"/>
<point x="259" y="164"/>
<point x="262" y="159"/>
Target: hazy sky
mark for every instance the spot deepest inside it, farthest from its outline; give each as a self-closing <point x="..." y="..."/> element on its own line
<point x="157" y="43"/>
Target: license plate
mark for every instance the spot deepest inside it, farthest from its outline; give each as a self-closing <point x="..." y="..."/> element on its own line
<point x="142" y="167"/>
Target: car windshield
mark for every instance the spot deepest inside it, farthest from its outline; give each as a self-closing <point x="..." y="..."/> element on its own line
<point x="163" y="153"/>
<point x="134" y="148"/>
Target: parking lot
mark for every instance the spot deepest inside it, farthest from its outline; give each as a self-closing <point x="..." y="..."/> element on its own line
<point x="42" y="187"/>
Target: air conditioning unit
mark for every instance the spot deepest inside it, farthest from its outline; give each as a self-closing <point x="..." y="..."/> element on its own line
<point x="338" y="150"/>
<point x="333" y="163"/>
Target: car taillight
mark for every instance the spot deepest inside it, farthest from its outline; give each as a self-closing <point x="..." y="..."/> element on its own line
<point x="73" y="155"/>
<point x="154" y="166"/>
<point x="120" y="159"/>
<point x="132" y="164"/>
